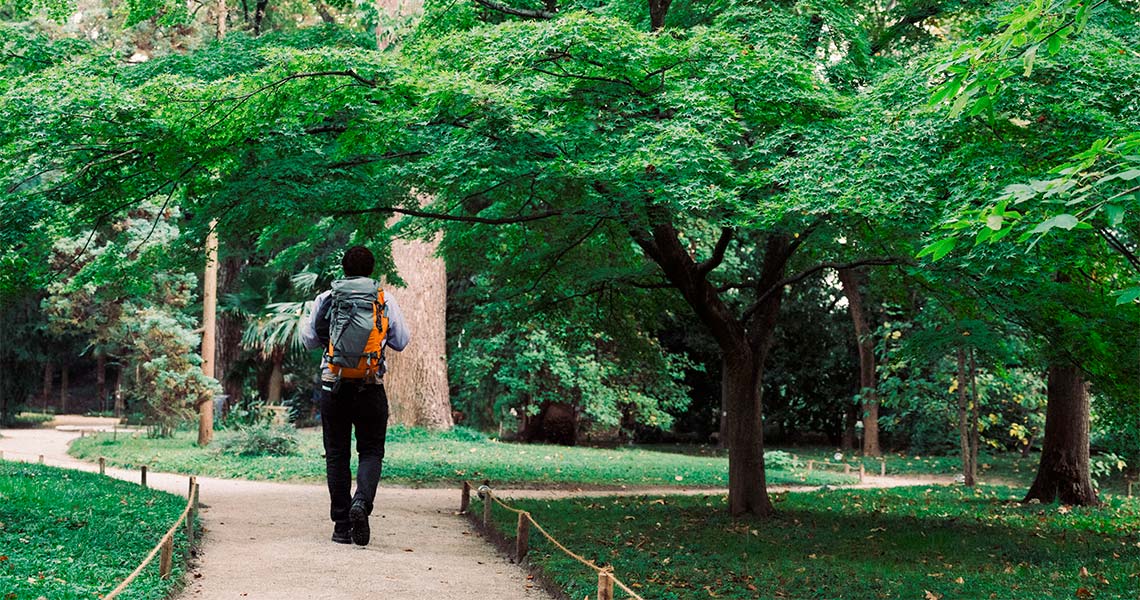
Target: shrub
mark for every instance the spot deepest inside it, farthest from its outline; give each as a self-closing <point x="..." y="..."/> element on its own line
<point x="261" y="441"/>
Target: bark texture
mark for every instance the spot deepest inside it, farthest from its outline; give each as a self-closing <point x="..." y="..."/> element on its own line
<point x="63" y="391"/>
<point x="416" y="381"/>
<point x="851" y="280"/>
<point x="1064" y="470"/>
<point x="227" y="350"/>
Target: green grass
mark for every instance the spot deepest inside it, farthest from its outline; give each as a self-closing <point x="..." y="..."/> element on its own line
<point x="844" y="544"/>
<point x="68" y="534"/>
<point x="418" y="457"/>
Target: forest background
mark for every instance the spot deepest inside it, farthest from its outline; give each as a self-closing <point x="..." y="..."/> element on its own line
<point x="906" y="225"/>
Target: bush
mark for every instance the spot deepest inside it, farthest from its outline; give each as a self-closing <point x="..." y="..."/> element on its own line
<point x="403" y="433"/>
<point x="778" y="460"/>
<point x="261" y="441"/>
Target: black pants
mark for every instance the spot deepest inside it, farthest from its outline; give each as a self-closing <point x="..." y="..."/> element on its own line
<point x="366" y="408"/>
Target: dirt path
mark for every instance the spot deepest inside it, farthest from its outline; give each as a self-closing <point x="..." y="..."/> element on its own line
<point x="270" y="541"/>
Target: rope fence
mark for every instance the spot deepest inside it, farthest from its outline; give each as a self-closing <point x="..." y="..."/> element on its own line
<point x="846" y="467"/>
<point x="606" y="578"/>
<point x="164" y="549"/>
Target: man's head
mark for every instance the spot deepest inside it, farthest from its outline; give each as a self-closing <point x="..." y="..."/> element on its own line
<point x="358" y="262"/>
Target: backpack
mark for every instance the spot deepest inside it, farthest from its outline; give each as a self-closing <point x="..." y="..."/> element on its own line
<point x="358" y="325"/>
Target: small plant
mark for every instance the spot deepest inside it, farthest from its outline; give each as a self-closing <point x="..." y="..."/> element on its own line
<point x="778" y="460"/>
<point x="1103" y="465"/>
<point x="261" y="441"/>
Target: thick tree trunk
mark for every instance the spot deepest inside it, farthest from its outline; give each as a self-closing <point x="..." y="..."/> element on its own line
<point x="658" y="9"/>
<point x="416" y="381"/>
<point x="227" y="351"/>
<point x="969" y="469"/>
<point x="101" y="380"/>
<point x="209" y="332"/>
<point x="390" y="12"/>
<point x="747" y="487"/>
<point x="975" y="410"/>
<point x="1064" y="470"/>
<point x="851" y="279"/>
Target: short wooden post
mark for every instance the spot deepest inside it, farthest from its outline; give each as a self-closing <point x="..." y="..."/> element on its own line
<point x="862" y="472"/>
<point x="846" y="468"/>
<point x="522" y="537"/>
<point x="1129" y="489"/>
<point x="811" y="465"/>
<point x="190" y="514"/>
<point x="164" y="559"/>
<point x="41" y="459"/>
<point x="605" y="586"/>
<point x="102" y="466"/>
<point x="82" y="433"/>
<point x="1" y="455"/>
<point x="465" y="502"/>
<point x="883" y="467"/>
<point x="487" y="510"/>
<point x="143" y="478"/>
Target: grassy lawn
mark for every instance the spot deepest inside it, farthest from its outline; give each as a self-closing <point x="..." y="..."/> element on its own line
<point x="66" y="534"/>
<point x="417" y="457"/>
<point x="913" y="543"/>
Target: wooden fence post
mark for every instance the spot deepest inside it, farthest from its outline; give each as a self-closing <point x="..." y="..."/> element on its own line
<point x="811" y="465"/>
<point x="142" y="479"/>
<point x="1129" y="489"/>
<point x="605" y="586"/>
<point x="487" y="510"/>
<point x="883" y="467"/>
<point x="41" y="459"/>
<point x="102" y="466"/>
<point x="1" y="455"/>
<point x="465" y="502"/>
<point x="522" y="537"/>
<point x="862" y="472"/>
<point x="164" y="560"/>
<point x="846" y="468"/>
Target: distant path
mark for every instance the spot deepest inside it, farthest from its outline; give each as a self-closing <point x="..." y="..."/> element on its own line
<point x="270" y="541"/>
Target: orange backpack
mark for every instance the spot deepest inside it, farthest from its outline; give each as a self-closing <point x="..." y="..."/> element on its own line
<point x="358" y="326"/>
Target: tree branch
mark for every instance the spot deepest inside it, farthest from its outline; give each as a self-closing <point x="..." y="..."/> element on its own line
<point x="817" y="268"/>
<point x="705" y="267"/>
<point x="518" y="12"/>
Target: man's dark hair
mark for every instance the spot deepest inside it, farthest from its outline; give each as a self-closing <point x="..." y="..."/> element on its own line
<point x="358" y="262"/>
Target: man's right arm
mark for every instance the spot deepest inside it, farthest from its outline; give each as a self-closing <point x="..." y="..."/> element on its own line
<point x="315" y="331"/>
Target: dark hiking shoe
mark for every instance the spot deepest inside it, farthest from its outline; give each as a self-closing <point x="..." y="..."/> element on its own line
<point x="342" y="533"/>
<point x="358" y="516"/>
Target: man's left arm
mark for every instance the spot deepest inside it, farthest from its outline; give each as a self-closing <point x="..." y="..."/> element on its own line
<point x="398" y="334"/>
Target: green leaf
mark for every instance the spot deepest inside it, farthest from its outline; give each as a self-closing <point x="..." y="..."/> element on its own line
<point x="1030" y="56"/>
<point x="939" y="249"/>
<point x="1054" y="44"/>
<point x="1128" y="295"/>
<point x="1115" y="214"/>
<point x="994" y="222"/>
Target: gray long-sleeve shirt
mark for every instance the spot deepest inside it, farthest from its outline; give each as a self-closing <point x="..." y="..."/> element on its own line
<point x="315" y="332"/>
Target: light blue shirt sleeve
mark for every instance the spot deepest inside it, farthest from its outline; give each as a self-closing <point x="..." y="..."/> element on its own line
<point x="309" y="335"/>
<point x="398" y="334"/>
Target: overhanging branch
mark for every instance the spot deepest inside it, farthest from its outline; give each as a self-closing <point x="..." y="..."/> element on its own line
<point x="706" y="267"/>
<point x="891" y="260"/>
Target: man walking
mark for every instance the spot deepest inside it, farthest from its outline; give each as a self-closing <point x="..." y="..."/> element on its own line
<point x="355" y="322"/>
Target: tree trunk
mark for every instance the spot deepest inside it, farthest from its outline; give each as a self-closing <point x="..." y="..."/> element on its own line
<point x="851" y="279"/>
<point x="120" y="407"/>
<point x="101" y="380"/>
<point x="968" y="467"/>
<point x="740" y="387"/>
<point x="209" y="331"/>
<point x="658" y="9"/>
<point x="850" y="416"/>
<point x="49" y="380"/>
<point x="975" y="410"/>
<point x="389" y="13"/>
<point x="227" y="351"/>
<point x="416" y="380"/>
<point x="276" y="379"/>
<point x="63" y="385"/>
<point x="1064" y="470"/>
